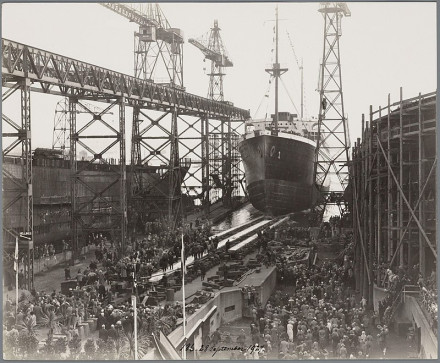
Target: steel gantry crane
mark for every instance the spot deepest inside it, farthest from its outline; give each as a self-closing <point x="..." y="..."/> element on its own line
<point x="158" y="52"/>
<point x="222" y="172"/>
<point x="214" y="50"/>
<point x="155" y="44"/>
<point x="333" y="144"/>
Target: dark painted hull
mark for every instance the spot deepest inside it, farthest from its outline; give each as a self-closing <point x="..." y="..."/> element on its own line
<point x="279" y="173"/>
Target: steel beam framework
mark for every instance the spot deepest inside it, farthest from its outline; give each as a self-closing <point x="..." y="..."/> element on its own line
<point x="50" y="73"/>
<point x="206" y="147"/>
<point x="394" y="191"/>
<point x="333" y="143"/>
<point x="55" y="74"/>
<point x="17" y="189"/>
<point x="156" y="45"/>
<point x="226" y="175"/>
<point x="61" y="125"/>
<point x="147" y="54"/>
<point x="97" y="209"/>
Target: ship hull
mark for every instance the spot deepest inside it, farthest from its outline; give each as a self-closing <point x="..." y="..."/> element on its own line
<point x="52" y="199"/>
<point x="279" y="173"/>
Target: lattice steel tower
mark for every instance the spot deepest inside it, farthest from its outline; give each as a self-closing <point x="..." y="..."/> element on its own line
<point x="61" y="124"/>
<point x="158" y="48"/>
<point x="214" y="50"/>
<point x="158" y="56"/>
<point x="333" y="144"/>
<point x="220" y="162"/>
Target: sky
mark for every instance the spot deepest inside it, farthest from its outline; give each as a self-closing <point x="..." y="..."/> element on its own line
<point x="384" y="46"/>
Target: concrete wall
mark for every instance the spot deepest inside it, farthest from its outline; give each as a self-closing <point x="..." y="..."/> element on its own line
<point x="229" y="308"/>
<point x="194" y="320"/>
<point x="413" y="312"/>
<point x="267" y="287"/>
<point x="229" y="305"/>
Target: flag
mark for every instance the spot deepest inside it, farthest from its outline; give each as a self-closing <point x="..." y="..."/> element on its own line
<point x="182" y="257"/>
<point x="16" y="255"/>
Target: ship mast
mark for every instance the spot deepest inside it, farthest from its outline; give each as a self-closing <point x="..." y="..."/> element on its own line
<point x="302" y="88"/>
<point x="276" y="71"/>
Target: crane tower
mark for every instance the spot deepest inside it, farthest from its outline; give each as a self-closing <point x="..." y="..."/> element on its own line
<point x="158" y="53"/>
<point x="158" y="48"/>
<point x="214" y="51"/>
<point x="222" y="169"/>
<point x="333" y="144"/>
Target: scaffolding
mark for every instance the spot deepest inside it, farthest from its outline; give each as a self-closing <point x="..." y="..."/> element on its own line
<point x="216" y="150"/>
<point x="226" y="175"/>
<point x="26" y="70"/>
<point x="393" y="190"/>
<point x="17" y="187"/>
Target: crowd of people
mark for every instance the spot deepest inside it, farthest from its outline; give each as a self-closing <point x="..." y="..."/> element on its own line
<point x="320" y="319"/>
<point x="94" y="296"/>
<point x="62" y="313"/>
<point x="429" y="298"/>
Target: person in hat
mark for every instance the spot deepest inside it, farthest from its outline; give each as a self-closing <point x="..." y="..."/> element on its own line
<point x="112" y="333"/>
<point x="216" y="337"/>
<point x="256" y="351"/>
<point x="290" y="330"/>
<point x="241" y="339"/>
<point x="101" y="319"/>
<point x="343" y="351"/>
<point x="103" y="333"/>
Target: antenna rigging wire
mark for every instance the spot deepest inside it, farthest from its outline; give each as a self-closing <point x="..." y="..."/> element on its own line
<point x="288" y="94"/>
<point x="293" y="50"/>
<point x="266" y="95"/>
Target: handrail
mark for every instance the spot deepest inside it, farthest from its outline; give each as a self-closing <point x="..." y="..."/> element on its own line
<point x="394" y="305"/>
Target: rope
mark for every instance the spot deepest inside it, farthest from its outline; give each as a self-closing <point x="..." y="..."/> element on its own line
<point x="288" y="94"/>
<point x="266" y="95"/>
<point x="293" y="50"/>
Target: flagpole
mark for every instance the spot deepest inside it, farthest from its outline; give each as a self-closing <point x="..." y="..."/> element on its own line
<point x="134" y="303"/>
<point x="182" y="257"/>
<point x="16" y="277"/>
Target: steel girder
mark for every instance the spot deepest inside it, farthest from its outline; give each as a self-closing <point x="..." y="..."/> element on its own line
<point x="56" y="74"/>
<point x="151" y="145"/>
<point x="333" y="144"/>
<point x="226" y="173"/>
<point x="17" y="187"/>
<point x="61" y="125"/>
<point x="147" y="54"/>
<point x="155" y="147"/>
<point x="51" y="73"/>
<point x="92" y="206"/>
<point x="237" y="170"/>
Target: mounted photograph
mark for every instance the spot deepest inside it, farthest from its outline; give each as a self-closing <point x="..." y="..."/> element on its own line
<point x="219" y="180"/>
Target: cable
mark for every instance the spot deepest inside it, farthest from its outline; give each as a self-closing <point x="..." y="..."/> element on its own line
<point x="266" y="95"/>
<point x="293" y="50"/>
<point x="288" y="94"/>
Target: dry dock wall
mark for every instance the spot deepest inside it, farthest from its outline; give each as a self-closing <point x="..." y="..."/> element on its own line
<point x="412" y="311"/>
<point x="225" y="307"/>
<point x="51" y="190"/>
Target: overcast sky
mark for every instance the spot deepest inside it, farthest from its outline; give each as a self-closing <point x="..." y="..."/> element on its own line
<point x="384" y="46"/>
